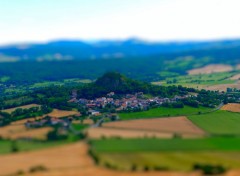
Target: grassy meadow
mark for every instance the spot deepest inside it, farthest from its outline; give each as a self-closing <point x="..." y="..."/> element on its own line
<point x="163" y="112"/>
<point x="218" y="123"/>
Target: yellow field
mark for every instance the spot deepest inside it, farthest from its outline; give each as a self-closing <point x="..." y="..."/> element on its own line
<point x="23" y="107"/>
<point x="233" y="107"/>
<point x="20" y="131"/>
<point x="60" y="113"/>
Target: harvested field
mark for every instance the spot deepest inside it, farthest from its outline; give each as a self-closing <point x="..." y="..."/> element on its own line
<point x="19" y="131"/>
<point x="68" y="160"/>
<point x="23" y="107"/>
<point x="55" y="113"/>
<point x="60" y="113"/>
<point x="235" y="77"/>
<point x="213" y="68"/>
<point x="39" y="134"/>
<point x="238" y="67"/>
<point x="233" y="107"/>
<point x="7" y="131"/>
<point x="222" y="87"/>
<point x="98" y="133"/>
<point x="180" y="125"/>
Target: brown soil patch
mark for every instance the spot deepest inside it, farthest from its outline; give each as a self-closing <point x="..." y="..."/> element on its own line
<point x="179" y="125"/>
<point x="23" y="107"/>
<point x="68" y="160"/>
<point x="213" y="68"/>
<point x="233" y="107"/>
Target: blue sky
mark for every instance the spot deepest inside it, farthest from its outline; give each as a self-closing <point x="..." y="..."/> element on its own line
<point x="164" y="20"/>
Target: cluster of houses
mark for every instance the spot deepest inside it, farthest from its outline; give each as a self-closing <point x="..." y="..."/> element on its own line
<point x="49" y="121"/>
<point x="126" y="102"/>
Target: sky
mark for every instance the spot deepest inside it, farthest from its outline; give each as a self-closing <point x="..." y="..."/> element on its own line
<point x="25" y="21"/>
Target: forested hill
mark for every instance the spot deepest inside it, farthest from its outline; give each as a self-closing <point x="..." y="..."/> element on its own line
<point x="115" y="82"/>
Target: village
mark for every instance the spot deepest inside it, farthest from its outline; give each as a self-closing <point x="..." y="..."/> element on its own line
<point x="128" y="102"/>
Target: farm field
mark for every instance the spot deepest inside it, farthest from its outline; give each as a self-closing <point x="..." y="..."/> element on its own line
<point x="218" y="123"/>
<point x="223" y="87"/>
<point x="178" y="161"/>
<point x="77" y="162"/>
<point x="233" y="107"/>
<point x="157" y="145"/>
<point x="20" y="131"/>
<point x="101" y="132"/>
<point x="27" y="145"/>
<point x="173" y="154"/>
<point x="163" y="112"/>
<point x="174" y="125"/>
<point x="61" y="113"/>
<point x="212" y="68"/>
<point x="22" y="107"/>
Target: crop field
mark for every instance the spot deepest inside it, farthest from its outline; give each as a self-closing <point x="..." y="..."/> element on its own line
<point x="233" y="107"/>
<point x="20" y="131"/>
<point x="178" y="125"/>
<point x="235" y="77"/>
<point x="202" y="80"/>
<point x="173" y="154"/>
<point x="222" y="87"/>
<point x="101" y="132"/>
<point x="61" y="113"/>
<point x="218" y="123"/>
<point x="76" y="162"/>
<point x="178" y="161"/>
<point x="24" y="146"/>
<point x="22" y="107"/>
<point x="18" y="100"/>
<point x="213" y="68"/>
<point x="163" y="112"/>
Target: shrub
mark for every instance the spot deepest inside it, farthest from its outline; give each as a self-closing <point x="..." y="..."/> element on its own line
<point x="146" y="168"/>
<point x="14" y="147"/>
<point x="94" y="156"/>
<point x="160" y="168"/>
<point x="134" y="167"/>
<point x="39" y="168"/>
<point x="209" y="169"/>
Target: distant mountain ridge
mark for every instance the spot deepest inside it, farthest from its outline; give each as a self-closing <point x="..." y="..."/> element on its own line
<point x="109" y="49"/>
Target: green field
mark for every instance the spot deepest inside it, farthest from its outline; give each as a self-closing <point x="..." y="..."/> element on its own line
<point x="154" y="145"/>
<point x="178" y="161"/>
<point x="218" y="123"/>
<point x="173" y="154"/>
<point x="199" y="81"/>
<point x="163" y="112"/>
<point x="6" y="145"/>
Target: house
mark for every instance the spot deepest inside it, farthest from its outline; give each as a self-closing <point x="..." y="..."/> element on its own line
<point x="94" y="112"/>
